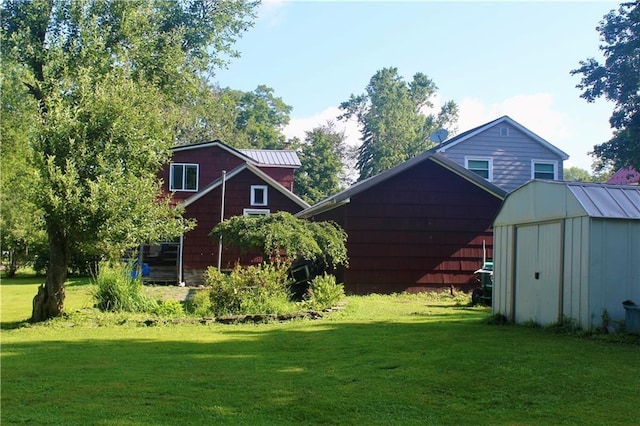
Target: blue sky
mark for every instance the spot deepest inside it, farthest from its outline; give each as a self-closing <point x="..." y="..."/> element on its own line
<point x="491" y="58"/>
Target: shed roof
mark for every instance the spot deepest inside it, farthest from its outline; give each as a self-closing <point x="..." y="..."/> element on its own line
<point x="610" y="201"/>
<point x="344" y="196"/>
<point x="538" y="201"/>
<point x="504" y="119"/>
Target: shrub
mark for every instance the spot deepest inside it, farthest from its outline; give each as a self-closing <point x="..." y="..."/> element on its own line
<point x="200" y="304"/>
<point x="118" y="292"/>
<point x="225" y="297"/>
<point x="324" y="292"/>
<point x="169" y="308"/>
<point x="253" y="290"/>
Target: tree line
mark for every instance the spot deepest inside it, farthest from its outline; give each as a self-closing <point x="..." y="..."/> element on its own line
<point x="96" y="92"/>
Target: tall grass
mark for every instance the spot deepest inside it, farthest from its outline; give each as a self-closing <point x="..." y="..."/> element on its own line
<point x="117" y="291"/>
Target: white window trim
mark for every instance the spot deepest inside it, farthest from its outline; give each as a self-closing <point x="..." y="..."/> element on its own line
<point x="184" y="176"/>
<point x="553" y="162"/>
<point x="488" y="159"/>
<point x="256" y="212"/>
<point x="253" y="195"/>
<point x="504" y="131"/>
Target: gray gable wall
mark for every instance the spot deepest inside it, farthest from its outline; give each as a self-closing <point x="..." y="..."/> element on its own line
<point x="511" y="150"/>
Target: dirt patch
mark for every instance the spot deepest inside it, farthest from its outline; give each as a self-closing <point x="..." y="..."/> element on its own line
<point x="169" y="292"/>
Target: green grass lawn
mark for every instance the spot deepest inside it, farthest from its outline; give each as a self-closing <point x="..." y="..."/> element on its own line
<point x="382" y="360"/>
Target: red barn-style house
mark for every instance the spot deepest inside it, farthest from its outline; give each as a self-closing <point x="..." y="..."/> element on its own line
<point x="416" y="227"/>
<point x="254" y="182"/>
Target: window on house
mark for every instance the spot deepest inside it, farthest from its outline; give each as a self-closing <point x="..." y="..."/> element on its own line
<point x="480" y="166"/>
<point x="504" y="131"/>
<point x="544" y="170"/>
<point x="184" y="177"/>
<point x="258" y="195"/>
<point x="256" y="212"/>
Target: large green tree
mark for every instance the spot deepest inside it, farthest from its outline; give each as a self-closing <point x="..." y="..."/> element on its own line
<point x="253" y="119"/>
<point x="21" y="227"/>
<point x="618" y="80"/>
<point x="394" y="124"/>
<point x="322" y="154"/>
<point x="105" y="78"/>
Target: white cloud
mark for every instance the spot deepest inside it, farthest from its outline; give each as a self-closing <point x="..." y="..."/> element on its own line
<point x="535" y="112"/>
<point x="298" y="126"/>
<point x="571" y="131"/>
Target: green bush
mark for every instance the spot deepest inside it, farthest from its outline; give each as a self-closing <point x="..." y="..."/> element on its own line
<point x="259" y="289"/>
<point x="169" y="308"/>
<point x="225" y="295"/>
<point x="324" y="292"/>
<point x="118" y="292"/>
<point x="200" y="304"/>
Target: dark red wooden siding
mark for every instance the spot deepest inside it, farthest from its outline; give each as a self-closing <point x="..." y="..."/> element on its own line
<point x="199" y="251"/>
<point x="212" y="160"/>
<point x="420" y="230"/>
<point x="283" y="175"/>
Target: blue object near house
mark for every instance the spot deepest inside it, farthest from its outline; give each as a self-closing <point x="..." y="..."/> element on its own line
<point x="145" y="271"/>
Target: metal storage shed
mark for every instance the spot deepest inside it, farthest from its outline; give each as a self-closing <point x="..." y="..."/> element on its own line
<point x="567" y="249"/>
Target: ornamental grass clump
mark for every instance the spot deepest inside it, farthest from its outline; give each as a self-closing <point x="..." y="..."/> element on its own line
<point x="323" y="292"/>
<point x="117" y="291"/>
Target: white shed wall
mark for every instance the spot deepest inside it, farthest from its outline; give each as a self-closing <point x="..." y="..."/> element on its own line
<point x="614" y="263"/>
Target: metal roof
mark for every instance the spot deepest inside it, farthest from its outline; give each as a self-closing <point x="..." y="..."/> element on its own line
<point x="607" y="201"/>
<point x="625" y="176"/>
<point x="273" y="157"/>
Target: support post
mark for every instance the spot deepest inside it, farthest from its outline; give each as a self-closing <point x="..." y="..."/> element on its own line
<point x="224" y="183"/>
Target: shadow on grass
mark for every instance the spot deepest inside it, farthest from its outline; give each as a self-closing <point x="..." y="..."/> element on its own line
<point x="37" y="279"/>
<point x="13" y="325"/>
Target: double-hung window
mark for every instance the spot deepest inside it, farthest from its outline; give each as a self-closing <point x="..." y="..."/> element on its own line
<point x="184" y="177"/>
<point x="541" y="169"/>
<point x="482" y="166"/>
<point x="259" y="195"/>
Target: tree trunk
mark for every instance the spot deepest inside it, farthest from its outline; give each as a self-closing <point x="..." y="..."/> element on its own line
<point x="49" y="302"/>
<point x="12" y="267"/>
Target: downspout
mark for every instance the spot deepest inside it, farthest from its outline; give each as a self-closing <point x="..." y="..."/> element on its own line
<point x="180" y="267"/>
<point x="224" y="184"/>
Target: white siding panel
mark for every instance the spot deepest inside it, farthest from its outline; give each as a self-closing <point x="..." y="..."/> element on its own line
<point x="511" y="155"/>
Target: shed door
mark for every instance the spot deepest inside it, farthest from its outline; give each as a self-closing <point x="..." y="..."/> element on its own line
<point x="538" y="273"/>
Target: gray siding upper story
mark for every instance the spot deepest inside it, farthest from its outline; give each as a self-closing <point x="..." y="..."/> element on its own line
<point x="511" y="151"/>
